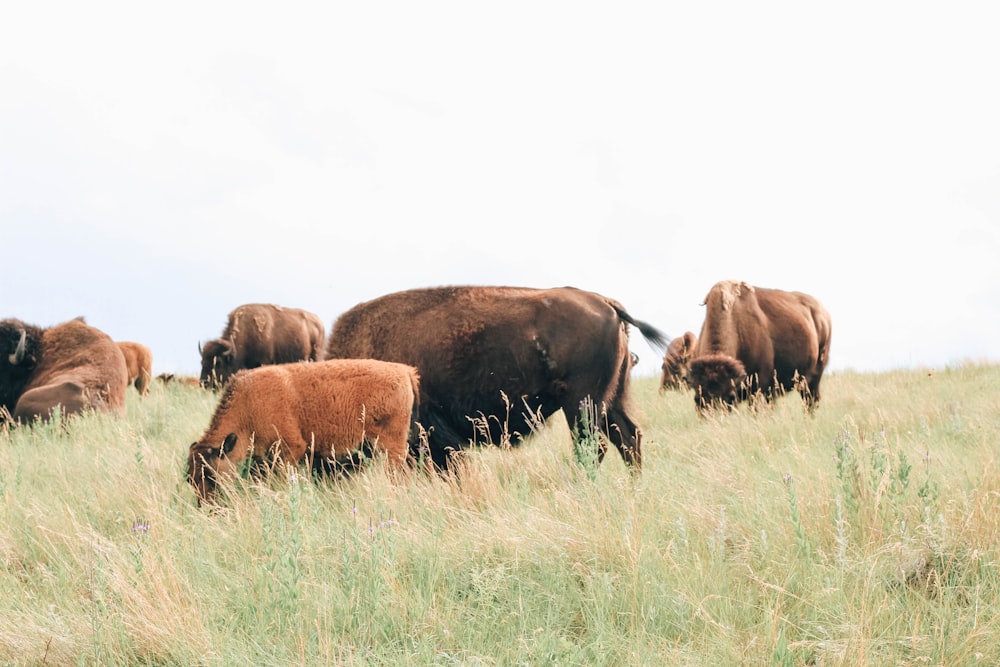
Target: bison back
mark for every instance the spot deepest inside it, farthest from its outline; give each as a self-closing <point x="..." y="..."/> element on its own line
<point x="799" y="329"/>
<point x="83" y="361"/>
<point x="272" y="334"/>
<point x="328" y="407"/>
<point x="491" y="352"/>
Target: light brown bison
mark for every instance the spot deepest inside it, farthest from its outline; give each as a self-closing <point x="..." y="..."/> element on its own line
<point x="71" y="365"/>
<point x="326" y="409"/>
<point x="139" y="364"/>
<point x="259" y="334"/>
<point x="759" y="340"/>
<point x="677" y="362"/>
<point x="495" y="360"/>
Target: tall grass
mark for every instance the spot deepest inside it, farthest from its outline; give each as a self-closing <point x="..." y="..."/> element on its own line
<point x="867" y="533"/>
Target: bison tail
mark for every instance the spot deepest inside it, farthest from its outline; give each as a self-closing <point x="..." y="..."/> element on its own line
<point x="658" y="339"/>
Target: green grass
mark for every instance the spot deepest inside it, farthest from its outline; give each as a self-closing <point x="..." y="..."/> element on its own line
<point x="867" y="533"/>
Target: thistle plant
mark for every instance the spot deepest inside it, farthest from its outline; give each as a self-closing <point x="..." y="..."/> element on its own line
<point x="587" y="438"/>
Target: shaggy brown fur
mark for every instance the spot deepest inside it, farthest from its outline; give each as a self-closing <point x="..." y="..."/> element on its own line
<point x="258" y="334"/>
<point x="70" y="365"/>
<point x="504" y="357"/>
<point x="139" y="363"/>
<point x="759" y="340"/>
<point x="326" y="409"/>
<point x="677" y="361"/>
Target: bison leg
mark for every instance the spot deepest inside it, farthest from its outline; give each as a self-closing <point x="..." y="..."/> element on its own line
<point x="584" y="418"/>
<point x="808" y="388"/>
<point x="142" y="382"/>
<point x="810" y="394"/>
<point x="624" y="433"/>
<point x="341" y="465"/>
<point x="440" y="456"/>
<point x="614" y="425"/>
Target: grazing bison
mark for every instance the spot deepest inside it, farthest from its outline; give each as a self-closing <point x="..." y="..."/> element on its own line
<point x="494" y="361"/>
<point x="677" y="361"/>
<point x="326" y="409"/>
<point x="759" y="340"/>
<point x="71" y="365"/>
<point x="187" y="380"/>
<point x="139" y="364"/>
<point x="259" y="334"/>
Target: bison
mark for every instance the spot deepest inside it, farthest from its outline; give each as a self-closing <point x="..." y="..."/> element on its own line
<point x="326" y="409"/>
<point x="186" y="380"/>
<point x="757" y="340"/>
<point x="677" y="361"/>
<point x="139" y="363"/>
<point x="259" y="334"/>
<point x="72" y="366"/>
<point x="495" y="361"/>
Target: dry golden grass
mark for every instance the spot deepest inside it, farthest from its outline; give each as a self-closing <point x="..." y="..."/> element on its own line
<point x="867" y="533"/>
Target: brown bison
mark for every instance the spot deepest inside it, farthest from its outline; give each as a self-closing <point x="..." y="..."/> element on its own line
<point x="677" y="362"/>
<point x="71" y="365"/>
<point x="187" y="380"/>
<point x="759" y="340"/>
<point x="259" y="334"/>
<point x="494" y="361"/>
<point x="139" y="363"/>
<point x="326" y="409"/>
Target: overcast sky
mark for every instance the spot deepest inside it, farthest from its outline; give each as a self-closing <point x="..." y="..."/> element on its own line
<point x="163" y="163"/>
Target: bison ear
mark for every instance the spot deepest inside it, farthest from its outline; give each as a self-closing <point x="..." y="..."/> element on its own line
<point x="229" y="443"/>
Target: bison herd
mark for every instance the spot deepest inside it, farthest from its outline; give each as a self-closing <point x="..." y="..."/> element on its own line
<point x="425" y="373"/>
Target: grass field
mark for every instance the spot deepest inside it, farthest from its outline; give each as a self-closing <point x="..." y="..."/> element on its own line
<point x="866" y="534"/>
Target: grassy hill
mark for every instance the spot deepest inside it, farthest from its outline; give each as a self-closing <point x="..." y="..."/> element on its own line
<point x="868" y="533"/>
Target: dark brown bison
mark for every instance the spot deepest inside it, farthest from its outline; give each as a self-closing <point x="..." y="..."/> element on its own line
<point x="677" y="362"/>
<point x="759" y="340"/>
<point x="494" y="361"/>
<point x="138" y="363"/>
<point x="71" y="365"/>
<point x="259" y="334"/>
<point x="326" y="409"/>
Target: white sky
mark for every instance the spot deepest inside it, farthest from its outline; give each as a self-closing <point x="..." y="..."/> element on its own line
<point x="162" y="164"/>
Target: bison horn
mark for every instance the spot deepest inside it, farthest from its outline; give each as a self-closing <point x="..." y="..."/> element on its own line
<point x="17" y="356"/>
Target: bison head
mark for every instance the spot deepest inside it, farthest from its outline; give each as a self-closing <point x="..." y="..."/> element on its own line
<point x="207" y="463"/>
<point x="673" y="376"/>
<point x="677" y="361"/>
<point x="218" y="362"/>
<point x="20" y="349"/>
<point x="717" y="379"/>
